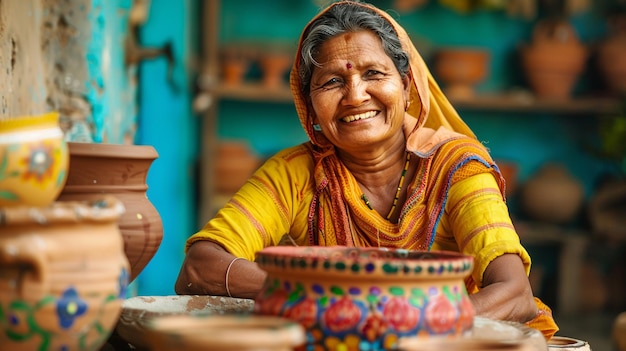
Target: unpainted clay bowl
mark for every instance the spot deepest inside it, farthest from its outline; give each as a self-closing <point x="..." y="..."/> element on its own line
<point x="244" y="332"/>
<point x="138" y="311"/>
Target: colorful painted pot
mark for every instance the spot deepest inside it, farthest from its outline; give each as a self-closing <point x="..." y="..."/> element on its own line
<point x="33" y="160"/>
<point x="63" y="275"/>
<point x="366" y="298"/>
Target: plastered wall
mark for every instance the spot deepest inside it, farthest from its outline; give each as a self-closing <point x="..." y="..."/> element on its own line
<point x="68" y="56"/>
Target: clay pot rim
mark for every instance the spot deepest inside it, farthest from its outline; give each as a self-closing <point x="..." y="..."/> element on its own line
<point x="364" y="262"/>
<point x="330" y="253"/>
<point x="128" y="151"/>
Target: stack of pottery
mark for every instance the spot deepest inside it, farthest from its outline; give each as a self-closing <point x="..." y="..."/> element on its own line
<point x="63" y="273"/>
<point x="366" y="298"/>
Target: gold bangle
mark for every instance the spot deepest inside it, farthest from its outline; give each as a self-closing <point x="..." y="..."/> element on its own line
<point x="228" y="271"/>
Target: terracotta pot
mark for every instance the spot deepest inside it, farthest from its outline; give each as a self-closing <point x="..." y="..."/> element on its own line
<point x="554" y="60"/>
<point x="607" y="210"/>
<point x="121" y="171"/>
<point x="33" y="160"/>
<point x="618" y="332"/>
<point x="369" y="297"/>
<point x="460" y="70"/>
<point x="509" y="171"/>
<point x="612" y="57"/>
<point x="552" y="195"/>
<point x="234" y="164"/>
<point x="63" y="275"/>
<point x="274" y="65"/>
<point x="227" y="333"/>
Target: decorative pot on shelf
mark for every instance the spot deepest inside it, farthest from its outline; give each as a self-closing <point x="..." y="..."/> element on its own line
<point x="552" y="195"/>
<point x="63" y="275"/>
<point x="234" y="164"/>
<point x="366" y="298"/>
<point x="460" y="69"/>
<point x="33" y="160"/>
<point x="274" y="65"/>
<point x="554" y="60"/>
<point x="612" y="57"/>
<point x="120" y="171"/>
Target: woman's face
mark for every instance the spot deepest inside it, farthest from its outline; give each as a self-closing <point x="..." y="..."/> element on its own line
<point x="357" y="94"/>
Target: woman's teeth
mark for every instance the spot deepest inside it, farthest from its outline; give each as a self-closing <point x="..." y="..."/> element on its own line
<point x="360" y="116"/>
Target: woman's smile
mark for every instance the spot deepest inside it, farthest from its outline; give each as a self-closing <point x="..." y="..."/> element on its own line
<point x="360" y="116"/>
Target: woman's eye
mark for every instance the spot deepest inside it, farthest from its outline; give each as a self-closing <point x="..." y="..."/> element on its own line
<point x="373" y="73"/>
<point x="331" y="83"/>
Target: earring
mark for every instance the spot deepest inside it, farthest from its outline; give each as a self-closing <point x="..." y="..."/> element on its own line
<point x="407" y="105"/>
<point x="317" y="127"/>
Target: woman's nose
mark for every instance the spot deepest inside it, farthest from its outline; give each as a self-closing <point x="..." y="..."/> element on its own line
<point x="356" y="93"/>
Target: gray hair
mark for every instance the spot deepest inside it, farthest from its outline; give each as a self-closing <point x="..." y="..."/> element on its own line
<point x="348" y="17"/>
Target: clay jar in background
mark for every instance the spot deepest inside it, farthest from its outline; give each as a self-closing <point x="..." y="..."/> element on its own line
<point x="63" y="275"/>
<point x="554" y="60"/>
<point x="612" y="56"/>
<point x="368" y="297"/>
<point x="552" y="195"/>
<point x="460" y="69"/>
<point x="33" y="160"/>
<point x="234" y="164"/>
<point x="120" y="171"/>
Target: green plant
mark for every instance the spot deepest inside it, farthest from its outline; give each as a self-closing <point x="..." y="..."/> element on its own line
<point x="612" y="132"/>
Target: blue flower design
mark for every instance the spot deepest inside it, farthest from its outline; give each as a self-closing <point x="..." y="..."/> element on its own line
<point x="70" y="306"/>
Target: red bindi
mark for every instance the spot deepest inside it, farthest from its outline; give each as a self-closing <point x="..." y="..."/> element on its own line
<point x="348" y="65"/>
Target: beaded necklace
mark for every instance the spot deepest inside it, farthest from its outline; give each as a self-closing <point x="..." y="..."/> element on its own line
<point x="400" y="184"/>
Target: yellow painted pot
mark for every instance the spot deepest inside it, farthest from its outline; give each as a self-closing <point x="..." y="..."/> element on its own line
<point x="33" y="160"/>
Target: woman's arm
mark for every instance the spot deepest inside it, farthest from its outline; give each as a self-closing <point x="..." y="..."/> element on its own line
<point x="204" y="273"/>
<point x="506" y="293"/>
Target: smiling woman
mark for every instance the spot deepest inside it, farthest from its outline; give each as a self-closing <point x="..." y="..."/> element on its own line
<point x="389" y="164"/>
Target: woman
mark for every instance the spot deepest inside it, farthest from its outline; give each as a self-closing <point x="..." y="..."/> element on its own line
<point x="389" y="163"/>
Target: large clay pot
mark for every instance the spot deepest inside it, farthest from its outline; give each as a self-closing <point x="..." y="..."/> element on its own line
<point x="552" y="195"/>
<point x="33" y="160"/>
<point x="554" y="60"/>
<point x="366" y="298"/>
<point x="121" y="171"/>
<point x="63" y="275"/>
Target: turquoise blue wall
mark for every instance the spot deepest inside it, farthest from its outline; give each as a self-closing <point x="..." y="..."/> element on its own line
<point x="167" y="122"/>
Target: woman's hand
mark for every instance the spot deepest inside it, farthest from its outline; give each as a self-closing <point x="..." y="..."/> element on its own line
<point x="506" y="293"/>
<point x="204" y="273"/>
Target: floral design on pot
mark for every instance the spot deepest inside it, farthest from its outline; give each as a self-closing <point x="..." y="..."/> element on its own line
<point x="63" y="275"/>
<point x="33" y="160"/>
<point x="366" y="298"/>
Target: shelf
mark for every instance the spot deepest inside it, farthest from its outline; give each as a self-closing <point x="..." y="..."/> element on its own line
<point x="516" y="103"/>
